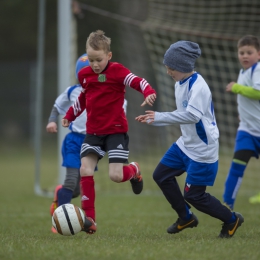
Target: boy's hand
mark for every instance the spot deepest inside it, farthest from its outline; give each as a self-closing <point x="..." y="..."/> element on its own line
<point x="148" y="118"/>
<point x="51" y="127"/>
<point x="149" y="100"/>
<point x="65" y="122"/>
<point x="229" y="86"/>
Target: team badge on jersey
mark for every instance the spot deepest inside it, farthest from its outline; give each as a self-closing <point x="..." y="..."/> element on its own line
<point x="185" y="103"/>
<point x="102" y="78"/>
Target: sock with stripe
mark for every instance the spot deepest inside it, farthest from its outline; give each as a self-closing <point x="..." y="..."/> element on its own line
<point x="233" y="182"/>
<point x="87" y="186"/>
<point x="188" y="213"/>
<point x="233" y="218"/>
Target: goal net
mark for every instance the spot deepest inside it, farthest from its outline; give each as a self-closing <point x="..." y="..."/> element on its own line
<point x="216" y="26"/>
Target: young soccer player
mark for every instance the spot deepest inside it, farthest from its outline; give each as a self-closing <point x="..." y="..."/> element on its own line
<point x="196" y="151"/>
<point x="247" y="87"/>
<point x="72" y="142"/>
<point x="103" y="84"/>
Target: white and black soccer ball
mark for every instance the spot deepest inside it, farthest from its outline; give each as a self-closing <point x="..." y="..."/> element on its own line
<point x="68" y="219"/>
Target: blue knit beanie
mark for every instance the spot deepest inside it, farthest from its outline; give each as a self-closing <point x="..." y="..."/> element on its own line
<point x="181" y="56"/>
<point x="81" y="63"/>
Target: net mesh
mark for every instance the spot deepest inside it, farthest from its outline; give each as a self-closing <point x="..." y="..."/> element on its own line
<point x="215" y="26"/>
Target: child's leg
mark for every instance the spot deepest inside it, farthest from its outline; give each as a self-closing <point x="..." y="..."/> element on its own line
<point x="235" y="175"/>
<point x="118" y="172"/>
<point x="165" y="179"/>
<point x="121" y="173"/>
<point x="88" y="164"/>
<point x="206" y="203"/>
<point x="117" y="148"/>
<point x="71" y="181"/>
<point x="76" y="191"/>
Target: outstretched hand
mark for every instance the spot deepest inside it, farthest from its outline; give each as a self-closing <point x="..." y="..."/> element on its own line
<point x="52" y="127"/>
<point x="229" y="86"/>
<point x="149" y="100"/>
<point x="65" y="122"/>
<point x="148" y="118"/>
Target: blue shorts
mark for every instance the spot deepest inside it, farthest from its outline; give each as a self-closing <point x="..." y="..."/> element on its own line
<point x="245" y="141"/>
<point x="71" y="150"/>
<point x="201" y="174"/>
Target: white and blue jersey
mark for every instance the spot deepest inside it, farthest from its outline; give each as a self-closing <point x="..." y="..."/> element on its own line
<point x="195" y="115"/>
<point x="249" y="109"/>
<point x="63" y="103"/>
<point x="72" y="142"/>
<point x="196" y="151"/>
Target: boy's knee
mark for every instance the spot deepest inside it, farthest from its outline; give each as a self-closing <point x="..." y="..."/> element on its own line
<point x="86" y="171"/>
<point x="157" y="176"/>
<point x="115" y="177"/>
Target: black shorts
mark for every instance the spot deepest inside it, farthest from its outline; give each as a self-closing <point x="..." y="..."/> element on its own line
<point x="116" y="145"/>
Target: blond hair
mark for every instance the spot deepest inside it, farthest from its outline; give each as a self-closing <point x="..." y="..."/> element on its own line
<point x="98" y="41"/>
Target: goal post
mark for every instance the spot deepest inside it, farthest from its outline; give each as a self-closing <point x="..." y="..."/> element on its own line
<point x="67" y="52"/>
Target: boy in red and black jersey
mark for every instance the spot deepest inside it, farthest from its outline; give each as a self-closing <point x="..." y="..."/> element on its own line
<point x="103" y="89"/>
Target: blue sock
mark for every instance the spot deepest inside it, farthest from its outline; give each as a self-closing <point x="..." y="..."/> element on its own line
<point x="64" y="196"/>
<point x="233" y="182"/>
<point x="188" y="213"/>
<point x="233" y="218"/>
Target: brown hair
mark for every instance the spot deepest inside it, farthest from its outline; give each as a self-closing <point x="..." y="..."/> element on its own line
<point x="98" y="41"/>
<point x="249" y="40"/>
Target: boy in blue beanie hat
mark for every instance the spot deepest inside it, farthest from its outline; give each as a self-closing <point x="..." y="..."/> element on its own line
<point x="196" y="151"/>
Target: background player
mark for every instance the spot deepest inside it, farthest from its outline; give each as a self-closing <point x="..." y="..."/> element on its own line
<point x="247" y="87"/>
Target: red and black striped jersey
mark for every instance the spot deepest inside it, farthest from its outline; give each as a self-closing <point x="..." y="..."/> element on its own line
<point x="103" y="97"/>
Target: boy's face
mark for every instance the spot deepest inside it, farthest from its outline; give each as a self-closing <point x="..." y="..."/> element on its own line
<point x="248" y="56"/>
<point x="98" y="59"/>
<point x="177" y="75"/>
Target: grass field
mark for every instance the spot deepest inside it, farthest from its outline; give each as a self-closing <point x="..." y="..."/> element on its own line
<point x="129" y="226"/>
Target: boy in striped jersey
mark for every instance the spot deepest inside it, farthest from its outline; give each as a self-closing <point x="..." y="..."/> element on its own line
<point x="247" y="87"/>
<point x="103" y="90"/>
<point x="196" y="151"/>
<point x="72" y="142"/>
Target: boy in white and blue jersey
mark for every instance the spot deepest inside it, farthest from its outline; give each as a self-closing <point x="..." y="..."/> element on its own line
<point x="196" y="151"/>
<point x="247" y="142"/>
<point x="71" y="144"/>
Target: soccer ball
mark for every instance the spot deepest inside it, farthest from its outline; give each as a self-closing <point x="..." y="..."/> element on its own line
<point x="68" y="219"/>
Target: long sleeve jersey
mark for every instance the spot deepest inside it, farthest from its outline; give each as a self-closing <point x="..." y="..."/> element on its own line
<point x="196" y="117"/>
<point x="103" y="97"/>
<point x="62" y="104"/>
<point x="248" y="108"/>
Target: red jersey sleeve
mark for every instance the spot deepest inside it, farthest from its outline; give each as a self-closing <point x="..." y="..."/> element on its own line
<point x="77" y="108"/>
<point x="126" y="77"/>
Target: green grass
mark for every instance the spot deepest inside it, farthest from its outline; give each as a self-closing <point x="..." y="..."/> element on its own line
<point x="129" y="226"/>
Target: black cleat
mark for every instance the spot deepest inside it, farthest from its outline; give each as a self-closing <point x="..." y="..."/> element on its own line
<point x="90" y="227"/>
<point x="180" y="224"/>
<point x="228" y="230"/>
<point x="137" y="182"/>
